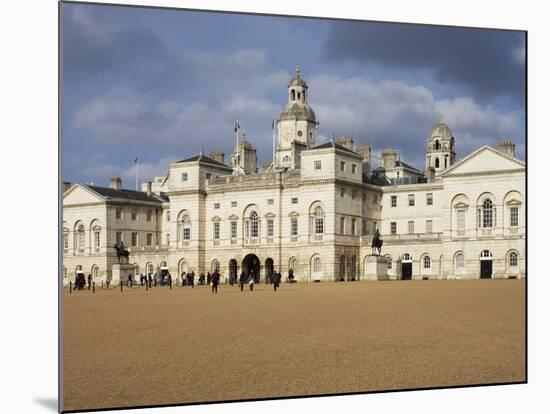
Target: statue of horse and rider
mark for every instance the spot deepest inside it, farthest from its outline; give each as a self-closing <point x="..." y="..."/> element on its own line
<point x="377" y="243"/>
<point x="122" y="252"/>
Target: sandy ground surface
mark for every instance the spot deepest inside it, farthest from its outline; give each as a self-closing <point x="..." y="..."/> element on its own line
<point x="187" y="345"/>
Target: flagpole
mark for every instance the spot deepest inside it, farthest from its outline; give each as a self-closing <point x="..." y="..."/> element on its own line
<point x="137" y="173"/>
<point x="273" y="136"/>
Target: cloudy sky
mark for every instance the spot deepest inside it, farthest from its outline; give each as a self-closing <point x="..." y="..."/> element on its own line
<point x="159" y="84"/>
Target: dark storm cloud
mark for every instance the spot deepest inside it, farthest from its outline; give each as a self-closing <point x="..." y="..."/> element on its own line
<point x="93" y="43"/>
<point x="490" y="63"/>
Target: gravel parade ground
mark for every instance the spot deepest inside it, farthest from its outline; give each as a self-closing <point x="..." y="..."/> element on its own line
<point x="187" y="345"/>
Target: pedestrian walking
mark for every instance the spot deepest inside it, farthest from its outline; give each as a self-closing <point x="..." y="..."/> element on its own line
<point x="276" y="280"/>
<point x="208" y="278"/>
<point x="192" y="279"/>
<point x="291" y="275"/>
<point x="215" y="281"/>
<point x="242" y="280"/>
<point x="150" y="280"/>
<point x="251" y="281"/>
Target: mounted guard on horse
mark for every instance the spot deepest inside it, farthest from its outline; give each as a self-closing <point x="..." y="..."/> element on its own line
<point x="122" y="252"/>
<point x="377" y="243"/>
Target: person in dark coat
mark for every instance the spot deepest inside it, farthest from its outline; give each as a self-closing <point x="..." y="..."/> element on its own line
<point x="215" y="281"/>
<point x="242" y="280"/>
<point x="192" y="279"/>
<point x="208" y="278"/>
<point x="290" y="275"/>
<point x="201" y="279"/>
<point x="276" y="280"/>
<point x="169" y="277"/>
<point x="150" y="280"/>
<point x="89" y="281"/>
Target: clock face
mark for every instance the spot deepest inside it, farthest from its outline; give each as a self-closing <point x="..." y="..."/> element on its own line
<point x="299" y="133"/>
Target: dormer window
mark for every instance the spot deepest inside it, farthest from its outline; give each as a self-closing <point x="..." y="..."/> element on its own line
<point x="183" y="177"/>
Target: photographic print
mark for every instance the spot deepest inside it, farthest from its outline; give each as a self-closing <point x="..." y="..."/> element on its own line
<point x="261" y="206"/>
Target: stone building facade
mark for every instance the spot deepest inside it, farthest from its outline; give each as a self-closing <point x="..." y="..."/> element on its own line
<point x="314" y="209"/>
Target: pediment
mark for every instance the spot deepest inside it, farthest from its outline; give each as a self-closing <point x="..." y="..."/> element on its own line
<point x="293" y="214"/>
<point x="79" y="194"/>
<point x="513" y="202"/>
<point x="484" y="160"/>
<point x="233" y="217"/>
<point x="269" y="215"/>
<point x="216" y="218"/>
<point x="461" y="204"/>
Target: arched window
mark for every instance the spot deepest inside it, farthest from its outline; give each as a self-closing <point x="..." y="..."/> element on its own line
<point x="150" y="269"/>
<point x="64" y="272"/>
<point x="286" y="158"/>
<point x="317" y="264"/>
<point x="459" y="261"/>
<point x="81" y="237"/>
<point x="486" y="254"/>
<point x="186" y="228"/>
<point x="95" y="271"/>
<point x="293" y="94"/>
<point x="215" y="266"/>
<point x="390" y="263"/>
<point x="436" y="162"/>
<point x="513" y="259"/>
<point x="487" y="220"/>
<point x="319" y="217"/>
<point x="292" y="264"/>
<point x="406" y="258"/>
<point x="437" y="145"/>
<point x="427" y="262"/>
<point x="253" y="224"/>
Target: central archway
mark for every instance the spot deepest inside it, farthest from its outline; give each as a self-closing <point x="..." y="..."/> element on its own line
<point x="269" y="268"/>
<point x="251" y="262"/>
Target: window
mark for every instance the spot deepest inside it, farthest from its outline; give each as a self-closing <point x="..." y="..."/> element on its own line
<point x="168" y="239"/>
<point x="96" y="239"/>
<point x="286" y="158"/>
<point x="216" y="206"/>
<point x="233" y="204"/>
<point x="342" y="192"/>
<point x="461" y="219"/>
<point x="149" y="239"/>
<point x="186" y="228"/>
<point x="375" y="199"/>
<point x="437" y="163"/>
<point x="390" y="263"/>
<point x="183" y="177"/>
<point x="353" y="168"/>
<point x="342" y="166"/>
<point x="411" y="200"/>
<point x="514" y="216"/>
<point x="95" y="272"/>
<point x="294" y="200"/>
<point x="459" y="261"/>
<point x="342" y="225"/>
<point x="167" y="215"/>
<point x="294" y="227"/>
<point x="353" y="194"/>
<point x="215" y="266"/>
<point x="487" y="213"/>
<point x="300" y="133"/>
<point x="393" y="227"/>
<point x="319" y="220"/>
<point x="118" y="213"/>
<point x="513" y="259"/>
<point x="66" y="240"/>
<point x="429" y="199"/>
<point x="233" y="229"/>
<point x="410" y="226"/>
<point x="353" y="221"/>
<point x="134" y="239"/>
<point x="149" y="215"/>
<point x="81" y="238"/>
<point x="118" y="237"/>
<point x="427" y="262"/>
<point x="270" y="228"/>
<point x="429" y="226"/>
<point x="134" y="214"/>
<point x="317" y="165"/>
<point x="317" y="264"/>
<point x="254" y="224"/>
<point x="270" y="201"/>
<point x="208" y="176"/>
<point x="394" y="201"/>
<point x="216" y="231"/>
<point x="292" y="264"/>
<point x="364" y="229"/>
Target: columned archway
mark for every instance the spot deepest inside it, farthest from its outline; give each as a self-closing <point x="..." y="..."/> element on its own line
<point x="233" y="269"/>
<point x="251" y="262"/>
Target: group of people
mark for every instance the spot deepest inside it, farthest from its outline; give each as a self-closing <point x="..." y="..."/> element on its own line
<point x="80" y="281"/>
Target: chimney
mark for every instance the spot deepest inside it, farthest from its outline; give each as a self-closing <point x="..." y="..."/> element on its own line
<point x="66" y="185"/>
<point x="507" y="147"/>
<point x="116" y="183"/>
<point x="266" y="166"/>
<point x="149" y="188"/>
<point x="345" y="142"/>
<point x="218" y="156"/>
<point x="365" y="151"/>
<point x="389" y="157"/>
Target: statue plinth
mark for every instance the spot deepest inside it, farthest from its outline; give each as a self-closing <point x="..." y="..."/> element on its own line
<point x="120" y="272"/>
<point x="376" y="268"/>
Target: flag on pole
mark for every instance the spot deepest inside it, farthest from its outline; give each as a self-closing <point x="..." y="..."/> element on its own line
<point x="273" y="123"/>
<point x="237" y="126"/>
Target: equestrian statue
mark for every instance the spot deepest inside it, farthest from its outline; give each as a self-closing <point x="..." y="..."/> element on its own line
<point x="377" y="243"/>
<point x="122" y="252"/>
